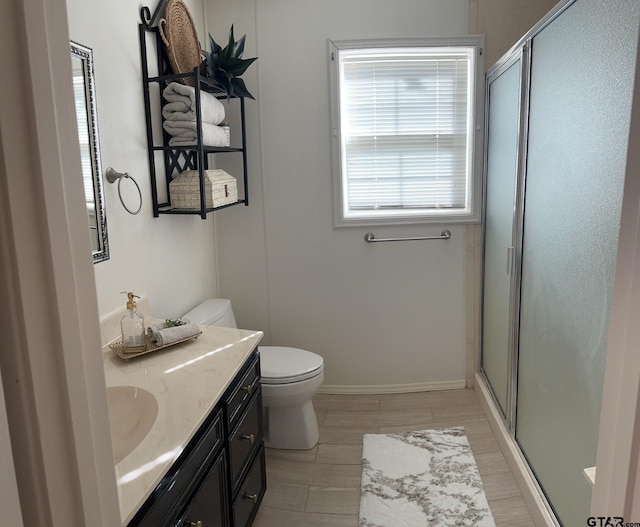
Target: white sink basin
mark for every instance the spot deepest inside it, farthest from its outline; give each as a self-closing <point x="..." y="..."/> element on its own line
<point x="132" y="412"/>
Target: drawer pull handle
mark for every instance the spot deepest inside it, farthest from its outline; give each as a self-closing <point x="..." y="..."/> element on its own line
<point x="248" y="389"/>
<point x="193" y="524"/>
<point x="252" y="497"/>
<point x="249" y="437"/>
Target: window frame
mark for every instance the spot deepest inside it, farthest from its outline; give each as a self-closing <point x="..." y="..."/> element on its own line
<point x="472" y="212"/>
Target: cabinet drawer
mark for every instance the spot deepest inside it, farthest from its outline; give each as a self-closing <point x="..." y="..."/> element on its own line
<point x="209" y="505"/>
<point x="172" y="492"/>
<point x="250" y="496"/>
<point x="241" y="393"/>
<point x="245" y="439"/>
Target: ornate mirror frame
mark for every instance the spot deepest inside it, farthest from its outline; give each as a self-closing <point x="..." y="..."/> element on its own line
<point x="87" y="118"/>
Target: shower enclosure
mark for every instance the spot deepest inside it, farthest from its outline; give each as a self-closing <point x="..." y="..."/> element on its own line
<point x="558" y="113"/>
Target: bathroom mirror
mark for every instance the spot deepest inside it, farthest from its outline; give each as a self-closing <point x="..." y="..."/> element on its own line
<point x="87" y="118"/>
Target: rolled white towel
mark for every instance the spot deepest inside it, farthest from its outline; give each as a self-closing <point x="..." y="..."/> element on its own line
<point x="165" y="336"/>
<point x="184" y="133"/>
<point x="181" y="105"/>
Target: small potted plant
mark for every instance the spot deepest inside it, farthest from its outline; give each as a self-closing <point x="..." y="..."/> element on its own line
<point x="226" y="65"/>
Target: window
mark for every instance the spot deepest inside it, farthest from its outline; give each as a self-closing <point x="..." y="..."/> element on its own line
<point x="82" y="100"/>
<point x="404" y="121"/>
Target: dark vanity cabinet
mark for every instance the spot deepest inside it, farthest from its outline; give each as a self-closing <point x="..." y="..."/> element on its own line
<point x="209" y="504"/>
<point x="219" y="479"/>
<point x="245" y="446"/>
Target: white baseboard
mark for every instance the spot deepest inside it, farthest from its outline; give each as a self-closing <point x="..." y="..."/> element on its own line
<point x="375" y="389"/>
<point x="536" y="502"/>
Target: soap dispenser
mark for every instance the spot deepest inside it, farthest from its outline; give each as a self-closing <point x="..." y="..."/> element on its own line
<point x="132" y="325"/>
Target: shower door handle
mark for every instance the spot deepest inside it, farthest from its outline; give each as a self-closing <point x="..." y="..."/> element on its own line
<point x="510" y="259"/>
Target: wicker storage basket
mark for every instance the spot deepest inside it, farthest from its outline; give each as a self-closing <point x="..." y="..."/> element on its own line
<point x="179" y="35"/>
<point x="220" y="189"/>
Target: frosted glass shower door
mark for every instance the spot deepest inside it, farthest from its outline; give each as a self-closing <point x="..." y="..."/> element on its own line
<point x="503" y="95"/>
<point x="580" y="99"/>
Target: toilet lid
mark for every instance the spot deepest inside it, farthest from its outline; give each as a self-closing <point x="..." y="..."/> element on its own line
<point x="280" y="365"/>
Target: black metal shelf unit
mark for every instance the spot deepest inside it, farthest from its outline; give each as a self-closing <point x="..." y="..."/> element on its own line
<point x="192" y="157"/>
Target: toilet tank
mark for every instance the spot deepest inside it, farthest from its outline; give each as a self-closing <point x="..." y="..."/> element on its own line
<point x="213" y="312"/>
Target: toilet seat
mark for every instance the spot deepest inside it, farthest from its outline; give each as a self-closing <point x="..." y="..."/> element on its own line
<point x="282" y="365"/>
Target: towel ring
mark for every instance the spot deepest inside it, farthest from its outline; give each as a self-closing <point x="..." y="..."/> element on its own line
<point x="112" y="175"/>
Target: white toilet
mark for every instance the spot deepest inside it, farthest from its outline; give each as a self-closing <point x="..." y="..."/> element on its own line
<point x="290" y="378"/>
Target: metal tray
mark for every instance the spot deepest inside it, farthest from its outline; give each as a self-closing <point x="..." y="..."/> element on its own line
<point x="151" y="346"/>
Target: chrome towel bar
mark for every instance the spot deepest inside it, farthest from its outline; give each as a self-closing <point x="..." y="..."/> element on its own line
<point x="370" y="238"/>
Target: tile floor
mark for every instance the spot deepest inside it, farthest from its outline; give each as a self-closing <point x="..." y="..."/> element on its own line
<point x="321" y="486"/>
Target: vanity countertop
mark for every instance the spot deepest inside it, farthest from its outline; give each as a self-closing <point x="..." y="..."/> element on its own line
<point x="187" y="380"/>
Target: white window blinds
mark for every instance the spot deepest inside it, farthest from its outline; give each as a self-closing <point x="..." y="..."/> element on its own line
<point x="79" y="92"/>
<point x="406" y="131"/>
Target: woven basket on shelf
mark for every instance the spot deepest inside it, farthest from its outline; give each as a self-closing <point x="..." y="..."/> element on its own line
<point x="178" y="33"/>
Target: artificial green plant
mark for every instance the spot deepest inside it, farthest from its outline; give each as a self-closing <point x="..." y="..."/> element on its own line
<point x="226" y="65"/>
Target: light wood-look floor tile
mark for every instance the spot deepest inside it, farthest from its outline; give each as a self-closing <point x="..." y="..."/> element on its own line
<point x="351" y="403"/>
<point x="500" y="486"/>
<point x="343" y="418"/>
<point x="333" y="500"/>
<point x="339" y="454"/>
<point x="491" y="463"/>
<point x="346" y="434"/>
<point x="305" y="456"/>
<point x="318" y="474"/>
<point x="511" y="512"/>
<point x="270" y="517"/>
<point x="457" y="411"/>
<point x="320" y="415"/>
<point x="285" y="496"/>
<point x="427" y="399"/>
<point x="483" y="445"/>
<point x="321" y="487"/>
<point x="407" y="417"/>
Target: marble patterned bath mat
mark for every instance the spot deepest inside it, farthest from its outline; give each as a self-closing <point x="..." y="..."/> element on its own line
<point x="421" y="479"/>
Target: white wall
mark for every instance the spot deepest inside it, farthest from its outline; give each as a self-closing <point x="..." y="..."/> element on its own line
<point x="170" y="259"/>
<point x="384" y="314"/>
<point x="504" y="22"/>
<point x="280" y="260"/>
